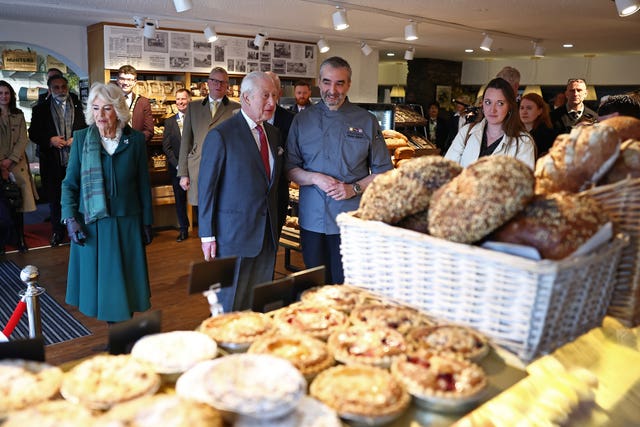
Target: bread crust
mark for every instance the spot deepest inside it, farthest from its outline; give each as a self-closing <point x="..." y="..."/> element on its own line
<point x="627" y="164"/>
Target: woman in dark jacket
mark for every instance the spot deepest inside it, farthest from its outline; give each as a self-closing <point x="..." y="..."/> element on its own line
<point x="534" y="113"/>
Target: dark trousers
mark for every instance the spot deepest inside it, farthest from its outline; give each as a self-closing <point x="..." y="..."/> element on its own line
<point x="323" y="249"/>
<point x="180" y="197"/>
<point x="52" y="179"/>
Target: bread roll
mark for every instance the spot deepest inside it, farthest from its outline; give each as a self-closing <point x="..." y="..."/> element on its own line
<point x="627" y="164"/>
<point x="484" y="196"/>
<point x="577" y="159"/>
<point x="403" y="153"/>
<point x="555" y="224"/>
<point x="627" y="127"/>
<point x="407" y="190"/>
<point x="394" y="134"/>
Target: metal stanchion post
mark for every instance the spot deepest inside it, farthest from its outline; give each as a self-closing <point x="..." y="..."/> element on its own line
<point x="29" y="275"/>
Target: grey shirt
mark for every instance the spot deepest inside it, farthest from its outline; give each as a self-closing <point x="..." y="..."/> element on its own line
<point x="346" y="144"/>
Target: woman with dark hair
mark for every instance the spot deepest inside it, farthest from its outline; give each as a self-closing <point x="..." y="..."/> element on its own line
<point x="13" y="159"/>
<point x="499" y="133"/>
<point x="534" y="113"/>
<point x="106" y="206"/>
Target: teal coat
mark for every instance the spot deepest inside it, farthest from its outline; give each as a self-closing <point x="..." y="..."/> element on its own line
<point x="108" y="277"/>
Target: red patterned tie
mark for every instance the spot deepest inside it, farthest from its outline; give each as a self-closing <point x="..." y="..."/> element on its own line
<point x="264" y="150"/>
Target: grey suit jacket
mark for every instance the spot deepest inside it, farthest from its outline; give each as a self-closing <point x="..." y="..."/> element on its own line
<point x="235" y="198"/>
<point x="197" y="123"/>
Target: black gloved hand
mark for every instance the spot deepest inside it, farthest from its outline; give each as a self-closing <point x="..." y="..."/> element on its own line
<point x="75" y="232"/>
<point x="147" y="234"/>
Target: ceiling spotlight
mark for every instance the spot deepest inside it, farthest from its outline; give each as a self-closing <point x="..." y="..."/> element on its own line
<point x="568" y="45"/>
<point x="365" y="48"/>
<point x="538" y="50"/>
<point x="469" y="50"/>
<point x="149" y="30"/>
<point x="323" y="46"/>
<point x="340" y="19"/>
<point x="411" y="31"/>
<point x="182" y="5"/>
<point x="627" y="7"/>
<point x="486" y="43"/>
<point x="210" y="34"/>
<point x="259" y="40"/>
<point x="408" y="54"/>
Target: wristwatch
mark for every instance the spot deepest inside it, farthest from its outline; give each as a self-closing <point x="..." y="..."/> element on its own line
<point x="357" y="189"/>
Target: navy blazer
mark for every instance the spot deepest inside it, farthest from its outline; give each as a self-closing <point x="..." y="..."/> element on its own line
<point x="171" y="140"/>
<point x="235" y="198"/>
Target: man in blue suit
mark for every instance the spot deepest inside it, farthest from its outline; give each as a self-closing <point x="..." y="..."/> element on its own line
<point x="241" y="167"/>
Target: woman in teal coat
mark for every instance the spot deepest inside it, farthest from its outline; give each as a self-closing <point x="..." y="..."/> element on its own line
<point x="106" y="205"/>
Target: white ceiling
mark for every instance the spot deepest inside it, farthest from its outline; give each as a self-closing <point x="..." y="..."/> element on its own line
<point x="445" y="27"/>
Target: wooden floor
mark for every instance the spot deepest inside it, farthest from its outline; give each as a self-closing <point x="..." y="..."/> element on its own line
<point x="168" y="262"/>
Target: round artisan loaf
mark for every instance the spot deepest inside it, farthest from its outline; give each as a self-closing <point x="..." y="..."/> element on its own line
<point x="555" y="224"/>
<point x="484" y="196"/>
<point x="627" y="127"/>
<point x="417" y="222"/>
<point x="627" y="164"/>
<point x="577" y="159"/>
<point x="406" y="190"/>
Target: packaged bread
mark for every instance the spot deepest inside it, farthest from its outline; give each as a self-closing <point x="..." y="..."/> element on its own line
<point x="555" y="224"/>
<point x="578" y="159"/>
<point x="485" y="195"/>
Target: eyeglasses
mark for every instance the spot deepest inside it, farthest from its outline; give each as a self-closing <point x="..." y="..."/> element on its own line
<point x="217" y="82"/>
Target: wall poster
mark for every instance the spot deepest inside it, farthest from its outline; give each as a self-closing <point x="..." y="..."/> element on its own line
<point x="183" y="51"/>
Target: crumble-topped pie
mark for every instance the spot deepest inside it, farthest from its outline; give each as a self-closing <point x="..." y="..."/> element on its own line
<point x="360" y="392"/>
<point x="104" y="380"/>
<point x="55" y="413"/>
<point x="369" y="345"/>
<point x="341" y="297"/>
<point x="236" y="330"/>
<point x="440" y="379"/>
<point x="449" y="338"/>
<point x="317" y="321"/>
<point x="174" y="352"/>
<point x="309" y="355"/>
<point x="24" y="383"/>
<point x="397" y="317"/>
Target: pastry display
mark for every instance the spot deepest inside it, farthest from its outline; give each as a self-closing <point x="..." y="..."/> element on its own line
<point x="398" y="317"/>
<point x="24" y="383"/>
<point x="55" y="413"/>
<point x="341" y="297"/>
<point x="164" y="410"/>
<point x="309" y="413"/>
<point x="556" y="225"/>
<point x="237" y="330"/>
<point x="485" y="195"/>
<point x="406" y="190"/>
<point x="102" y="381"/>
<point x="449" y="339"/>
<point x="360" y="393"/>
<point x="370" y="345"/>
<point x="257" y="385"/>
<point x="173" y="352"/>
<point x="309" y="355"/>
<point x="443" y="382"/>
<point x="578" y="159"/>
<point x="317" y="321"/>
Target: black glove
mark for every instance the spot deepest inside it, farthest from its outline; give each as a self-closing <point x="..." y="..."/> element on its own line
<point x="147" y="234"/>
<point x="75" y="232"/>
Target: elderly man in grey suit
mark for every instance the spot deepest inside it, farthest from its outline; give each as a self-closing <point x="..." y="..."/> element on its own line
<point x="201" y="117"/>
<point x="242" y="165"/>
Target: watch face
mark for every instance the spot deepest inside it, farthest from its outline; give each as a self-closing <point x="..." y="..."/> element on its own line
<point x="357" y="188"/>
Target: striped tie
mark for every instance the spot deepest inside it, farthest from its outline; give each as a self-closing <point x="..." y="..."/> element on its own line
<point x="264" y="150"/>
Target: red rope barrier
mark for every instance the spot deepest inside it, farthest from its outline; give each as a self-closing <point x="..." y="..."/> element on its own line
<point x="15" y="318"/>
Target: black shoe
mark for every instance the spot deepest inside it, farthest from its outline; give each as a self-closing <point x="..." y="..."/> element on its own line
<point x="184" y="235"/>
<point x="22" y="245"/>
<point x="56" y="239"/>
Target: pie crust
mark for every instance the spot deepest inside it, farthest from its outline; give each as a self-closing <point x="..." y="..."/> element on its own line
<point x="397" y="317"/>
<point x="369" y="345"/>
<point x="449" y="338"/>
<point x="24" y="383"/>
<point x="309" y="355"/>
<point x="236" y="330"/>
<point x="104" y="380"/>
<point x="448" y="376"/>
<point x="317" y="321"/>
<point x="54" y="413"/>
<point x="164" y="410"/>
<point x="174" y="352"/>
<point x="341" y="297"/>
<point x="360" y="390"/>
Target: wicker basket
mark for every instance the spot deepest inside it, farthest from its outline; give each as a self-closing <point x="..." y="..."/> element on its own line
<point x="621" y="201"/>
<point x="529" y="307"/>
